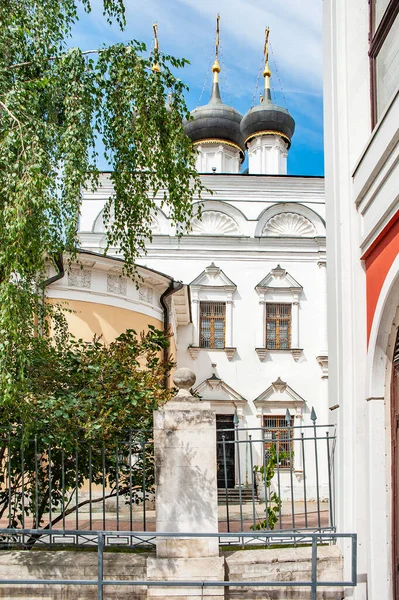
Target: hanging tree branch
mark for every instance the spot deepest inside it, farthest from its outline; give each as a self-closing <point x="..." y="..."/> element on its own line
<point x="56" y="103"/>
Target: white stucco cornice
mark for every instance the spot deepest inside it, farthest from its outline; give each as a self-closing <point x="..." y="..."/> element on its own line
<point x="216" y="248"/>
<point x="100" y="279"/>
<point x="263" y="187"/>
<point x="237" y="184"/>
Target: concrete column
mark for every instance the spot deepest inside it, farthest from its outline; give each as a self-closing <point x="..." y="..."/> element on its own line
<point x="186" y="494"/>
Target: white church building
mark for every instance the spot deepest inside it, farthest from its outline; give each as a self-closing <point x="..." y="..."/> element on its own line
<point x="253" y="268"/>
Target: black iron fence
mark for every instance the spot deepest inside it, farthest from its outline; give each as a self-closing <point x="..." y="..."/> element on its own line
<point x="277" y="477"/>
<point x="272" y="478"/>
<point x="92" y="485"/>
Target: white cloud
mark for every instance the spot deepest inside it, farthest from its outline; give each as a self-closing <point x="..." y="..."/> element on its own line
<point x="187" y="29"/>
<point x="187" y="26"/>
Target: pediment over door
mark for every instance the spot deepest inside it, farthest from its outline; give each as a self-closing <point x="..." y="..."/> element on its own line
<point x="219" y="393"/>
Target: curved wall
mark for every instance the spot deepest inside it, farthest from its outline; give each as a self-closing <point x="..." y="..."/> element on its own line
<point x="91" y="318"/>
<point x="378" y="262"/>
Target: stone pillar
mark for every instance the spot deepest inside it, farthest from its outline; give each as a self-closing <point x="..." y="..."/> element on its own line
<point x="186" y="494"/>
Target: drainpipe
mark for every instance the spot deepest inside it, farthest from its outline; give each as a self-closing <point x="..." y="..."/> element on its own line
<point x="174" y="287"/>
<point x="59" y="263"/>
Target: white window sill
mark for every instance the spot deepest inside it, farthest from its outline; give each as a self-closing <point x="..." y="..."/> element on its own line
<point x="194" y="351"/>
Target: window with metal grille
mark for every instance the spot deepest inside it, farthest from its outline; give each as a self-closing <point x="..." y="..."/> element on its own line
<point x="278" y="438"/>
<point x="212" y="324"/>
<point x="278" y="326"/>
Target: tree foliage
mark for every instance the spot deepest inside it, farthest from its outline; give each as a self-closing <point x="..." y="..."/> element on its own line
<point x="55" y="103"/>
<point x="88" y="420"/>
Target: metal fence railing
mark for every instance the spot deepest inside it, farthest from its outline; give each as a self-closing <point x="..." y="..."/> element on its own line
<point x="14" y="538"/>
<point x="277" y="477"/>
<point x="271" y="478"/>
<point x="91" y="485"/>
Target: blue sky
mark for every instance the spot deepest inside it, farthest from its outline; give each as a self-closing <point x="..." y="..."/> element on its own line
<point x="187" y="29"/>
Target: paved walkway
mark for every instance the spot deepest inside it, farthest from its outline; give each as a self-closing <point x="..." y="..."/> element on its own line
<point x="233" y="524"/>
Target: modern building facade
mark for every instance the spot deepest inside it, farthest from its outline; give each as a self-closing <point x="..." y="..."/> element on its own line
<point x="361" y="58"/>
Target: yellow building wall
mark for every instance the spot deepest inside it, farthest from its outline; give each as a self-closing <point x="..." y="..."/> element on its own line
<point x="89" y="319"/>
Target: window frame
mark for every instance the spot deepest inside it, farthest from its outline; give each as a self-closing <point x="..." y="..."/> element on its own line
<point x="212" y="285"/>
<point x="278" y="319"/>
<point x="278" y="287"/>
<point x="376" y="42"/>
<point x="212" y="319"/>
<point x="281" y="443"/>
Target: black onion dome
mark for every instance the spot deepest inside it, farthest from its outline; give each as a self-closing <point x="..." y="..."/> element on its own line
<point x="267" y="118"/>
<point x="215" y="121"/>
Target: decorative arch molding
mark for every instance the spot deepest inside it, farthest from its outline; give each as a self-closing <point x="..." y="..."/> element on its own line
<point x="232" y="215"/>
<point x="214" y="222"/>
<point x="159" y="223"/>
<point x="383" y="334"/>
<point x="289" y="224"/>
<point x="289" y="219"/>
<point x="378" y="374"/>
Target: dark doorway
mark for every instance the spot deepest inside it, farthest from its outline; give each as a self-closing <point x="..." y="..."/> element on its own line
<point x="226" y="468"/>
<point x="395" y="467"/>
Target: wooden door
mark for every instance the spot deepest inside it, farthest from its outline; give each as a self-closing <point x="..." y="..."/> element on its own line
<point x="226" y="457"/>
<point x="395" y="467"/>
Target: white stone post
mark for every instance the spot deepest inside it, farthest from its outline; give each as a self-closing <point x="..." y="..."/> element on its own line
<point x="186" y="494"/>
